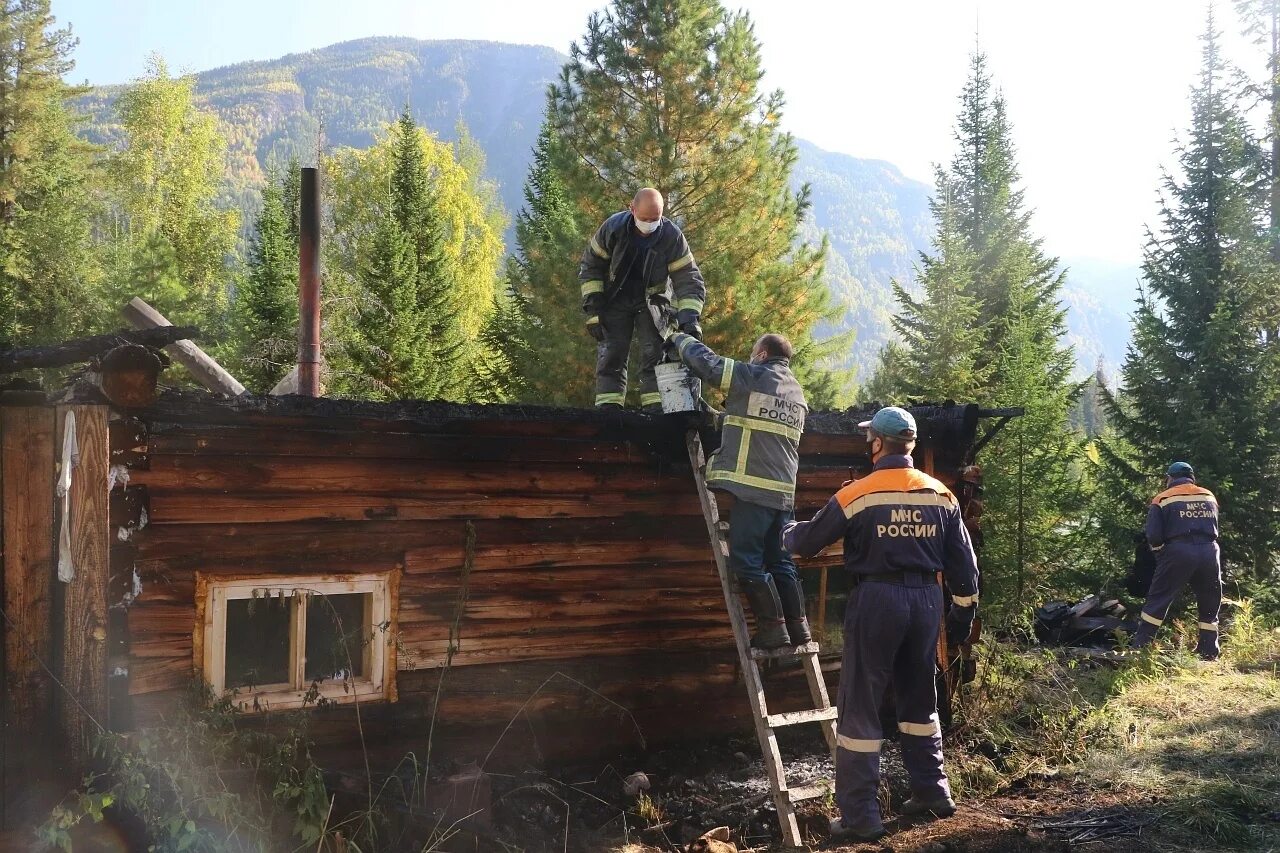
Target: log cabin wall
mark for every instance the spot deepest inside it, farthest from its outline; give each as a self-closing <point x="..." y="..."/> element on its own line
<point x="591" y="613"/>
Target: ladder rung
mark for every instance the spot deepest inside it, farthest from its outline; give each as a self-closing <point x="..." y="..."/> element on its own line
<point x="794" y="718"/>
<point x="785" y="652"/>
<point x="808" y="792"/>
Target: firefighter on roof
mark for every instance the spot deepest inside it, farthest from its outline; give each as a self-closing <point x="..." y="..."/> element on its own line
<point x="901" y="528"/>
<point x="1182" y="529"/>
<point x="636" y="256"/>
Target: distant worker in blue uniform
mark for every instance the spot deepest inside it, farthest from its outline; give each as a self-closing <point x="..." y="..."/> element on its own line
<point x="1182" y="529"/>
<point x="901" y="528"/>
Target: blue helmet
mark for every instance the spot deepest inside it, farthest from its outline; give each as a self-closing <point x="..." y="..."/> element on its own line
<point x="1181" y="470"/>
<point x="892" y="422"/>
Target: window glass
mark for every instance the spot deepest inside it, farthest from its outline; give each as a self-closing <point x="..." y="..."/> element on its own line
<point x="336" y="634"/>
<point x="257" y="641"/>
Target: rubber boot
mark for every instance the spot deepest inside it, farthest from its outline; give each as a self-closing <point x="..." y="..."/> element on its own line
<point x="771" y="628"/>
<point x="940" y="807"/>
<point x="1145" y="634"/>
<point x="791" y="594"/>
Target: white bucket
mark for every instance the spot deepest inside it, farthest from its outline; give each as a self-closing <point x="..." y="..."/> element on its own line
<point x="679" y="388"/>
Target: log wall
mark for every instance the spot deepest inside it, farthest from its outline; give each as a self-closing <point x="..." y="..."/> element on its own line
<point x="592" y="615"/>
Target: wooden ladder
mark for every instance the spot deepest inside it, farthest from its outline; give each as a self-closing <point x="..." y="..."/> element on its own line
<point x="784" y="797"/>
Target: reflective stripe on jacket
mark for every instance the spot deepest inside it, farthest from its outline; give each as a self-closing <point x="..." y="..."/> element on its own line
<point x="668" y="262"/>
<point x="895" y="519"/>
<point x="1182" y="511"/>
<point x="765" y="409"/>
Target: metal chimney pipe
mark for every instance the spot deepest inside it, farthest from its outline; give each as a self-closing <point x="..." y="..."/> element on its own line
<point x="309" y="285"/>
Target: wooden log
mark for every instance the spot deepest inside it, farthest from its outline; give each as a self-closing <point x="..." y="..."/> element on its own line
<point x="84" y="616"/>
<point x="390" y="476"/>
<point x="206" y="371"/>
<point x="26" y="484"/>
<point x="175" y="506"/>
<point x="84" y="349"/>
<point x="316" y="443"/>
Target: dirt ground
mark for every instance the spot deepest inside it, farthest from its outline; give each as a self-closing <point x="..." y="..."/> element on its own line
<point x="592" y="810"/>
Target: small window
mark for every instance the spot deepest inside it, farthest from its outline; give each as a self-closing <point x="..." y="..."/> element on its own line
<point x="277" y="642"/>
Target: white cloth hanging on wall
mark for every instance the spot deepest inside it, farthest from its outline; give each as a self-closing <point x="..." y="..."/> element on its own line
<point x="70" y="459"/>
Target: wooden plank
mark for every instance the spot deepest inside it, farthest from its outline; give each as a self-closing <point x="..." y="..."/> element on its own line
<point x="795" y="718"/>
<point x="84" y="647"/>
<point x="28" y="466"/>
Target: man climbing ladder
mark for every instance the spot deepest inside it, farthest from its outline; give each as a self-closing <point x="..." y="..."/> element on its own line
<point x="757" y="462"/>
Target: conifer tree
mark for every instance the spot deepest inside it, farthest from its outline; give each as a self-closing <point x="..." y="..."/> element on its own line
<point x="989" y="329"/>
<point x="410" y="183"/>
<point x="540" y="330"/>
<point x="666" y="93"/>
<point x="940" y="333"/>
<point x="1201" y="381"/>
<point x="396" y="359"/>
<point x="265" y="313"/>
<point x="49" y="275"/>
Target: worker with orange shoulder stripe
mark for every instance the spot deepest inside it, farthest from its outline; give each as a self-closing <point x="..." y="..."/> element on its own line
<point x="901" y="528"/>
<point x="1182" y="528"/>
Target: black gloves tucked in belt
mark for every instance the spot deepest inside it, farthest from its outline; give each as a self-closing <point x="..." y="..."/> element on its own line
<point x="960" y="624"/>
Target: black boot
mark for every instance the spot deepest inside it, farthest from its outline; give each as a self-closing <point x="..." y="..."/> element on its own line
<point x="771" y="628"/>
<point x="791" y="594"/>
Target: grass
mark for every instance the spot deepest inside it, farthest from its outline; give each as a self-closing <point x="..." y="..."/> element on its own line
<point x="1198" y="743"/>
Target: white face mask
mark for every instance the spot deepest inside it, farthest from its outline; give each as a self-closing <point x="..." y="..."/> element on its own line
<point x="646" y="227"/>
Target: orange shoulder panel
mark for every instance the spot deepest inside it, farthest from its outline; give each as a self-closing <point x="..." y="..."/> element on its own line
<point x="1184" y="489"/>
<point x="891" y="480"/>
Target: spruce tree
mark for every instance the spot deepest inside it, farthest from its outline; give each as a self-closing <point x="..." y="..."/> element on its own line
<point x="396" y="358"/>
<point x="1202" y="380"/>
<point x="666" y="94"/>
<point x="989" y="329"/>
<point x="940" y="332"/>
<point x="49" y="274"/>
<point x="410" y="182"/>
<point x="551" y="360"/>
<point x="265" y="313"/>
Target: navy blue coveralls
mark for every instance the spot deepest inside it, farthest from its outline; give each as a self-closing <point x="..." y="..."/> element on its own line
<point x="1182" y="529"/>
<point x="900" y="527"/>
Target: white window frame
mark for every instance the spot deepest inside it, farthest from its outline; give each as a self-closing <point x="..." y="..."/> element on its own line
<point x="378" y="682"/>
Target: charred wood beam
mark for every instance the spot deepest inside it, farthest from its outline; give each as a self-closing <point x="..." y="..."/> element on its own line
<point x="84" y="349"/>
<point x="988" y="435"/>
<point x="1009" y="412"/>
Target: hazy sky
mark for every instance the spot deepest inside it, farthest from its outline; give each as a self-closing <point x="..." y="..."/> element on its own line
<point x="1097" y="89"/>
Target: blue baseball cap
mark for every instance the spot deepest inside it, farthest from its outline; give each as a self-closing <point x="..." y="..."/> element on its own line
<point x="1181" y="469"/>
<point x="892" y="422"/>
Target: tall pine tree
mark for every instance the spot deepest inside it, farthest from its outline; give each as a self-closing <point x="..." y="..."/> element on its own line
<point x="665" y="93"/>
<point x="265" y="313"/>
<point x="1201" y="381"/>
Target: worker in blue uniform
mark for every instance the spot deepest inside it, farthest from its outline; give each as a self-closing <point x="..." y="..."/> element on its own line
<point x="1182" y="529"/>
<point x="901" y="528"/>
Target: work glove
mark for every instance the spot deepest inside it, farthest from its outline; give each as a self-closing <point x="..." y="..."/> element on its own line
<point x="692" y="329"/>
<point x="960" y="624"/>
<point x="788" y="532"/>
<point x="660" y="312"/>
<point x="594" y="329"/>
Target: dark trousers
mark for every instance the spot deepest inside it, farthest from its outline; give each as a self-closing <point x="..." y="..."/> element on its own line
<point x="620" y="319"/>
<point x="1178" y="564"/>
<point x="890" y="634"/>
<point x="755" y="542"/>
